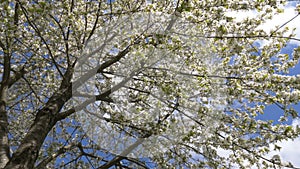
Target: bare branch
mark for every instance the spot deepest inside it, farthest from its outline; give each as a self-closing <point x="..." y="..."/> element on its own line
<point x="50" y="158"/>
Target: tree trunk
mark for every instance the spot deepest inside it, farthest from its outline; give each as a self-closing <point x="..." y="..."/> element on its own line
<point x="4" y="144"/>
<point x="4" y="147"/>
<point x="27" y="153"/>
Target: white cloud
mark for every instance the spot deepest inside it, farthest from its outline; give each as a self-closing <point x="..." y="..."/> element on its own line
<point x="290" y="149"/>
<point x="296" y="122"/>
<point x="280" y="19"/>
<point x="277" y="20"/>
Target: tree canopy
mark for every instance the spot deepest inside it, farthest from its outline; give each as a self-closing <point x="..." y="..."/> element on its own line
<point x="144" y="84"/>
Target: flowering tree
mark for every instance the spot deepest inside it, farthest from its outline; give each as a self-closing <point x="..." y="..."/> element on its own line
<point x="136" y="83"/>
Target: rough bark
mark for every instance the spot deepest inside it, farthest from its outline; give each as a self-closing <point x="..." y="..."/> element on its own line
<point x="4" y="145"/>
<point x="6" y="82"/>
<point x="26" y="154"/>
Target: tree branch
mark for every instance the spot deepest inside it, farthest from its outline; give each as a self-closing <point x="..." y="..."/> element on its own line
<point x="27" y="153"/>
<point x="35" y="28"/>
<point x="59" y="152"/>
<point x="123" y="155"/>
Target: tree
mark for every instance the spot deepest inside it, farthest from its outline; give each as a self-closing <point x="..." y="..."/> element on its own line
<point x="144" y="84"/>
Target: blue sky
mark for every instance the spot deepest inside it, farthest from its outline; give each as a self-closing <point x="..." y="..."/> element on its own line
<point x="290" y="149"/>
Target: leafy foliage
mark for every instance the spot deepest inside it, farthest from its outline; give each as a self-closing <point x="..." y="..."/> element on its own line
<point x="84" y="81"/>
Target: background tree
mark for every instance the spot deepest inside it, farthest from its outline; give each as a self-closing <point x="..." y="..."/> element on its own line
<point x="174" y="81"/>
